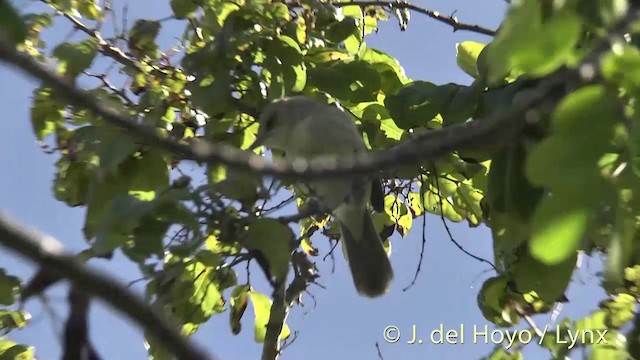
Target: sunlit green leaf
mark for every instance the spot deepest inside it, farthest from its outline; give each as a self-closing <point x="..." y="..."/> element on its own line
<point x="10" y="350"/>
<point x="9" y="288"/>
<point x="262" y="309"/>
<point x="183" y="8"/>
<point x="239" y="300"/>
<point x="142" y="37"/>
<point x="46" y="113"/>
<point x="418" y="102"/>
<point x="74" y="58"/>
<point x="467" y="53"/>
<point x="274" y="241"/>
<point x="10" y="320"/>
<point x="89" y="9"/>
<point x="492" y="300"/>
<point x="548" y="281"/>
<point x="355" y="81"/>
<point x="526" y="44"/>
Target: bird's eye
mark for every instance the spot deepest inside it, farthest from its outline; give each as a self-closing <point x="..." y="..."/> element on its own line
<point x="271" y="121"/>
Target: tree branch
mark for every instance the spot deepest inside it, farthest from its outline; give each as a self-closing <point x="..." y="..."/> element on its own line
<point x="77" y="345"/>
<point x="449" y="20"/>
<point x="104" y="47"/>
<point x="48" y="253"/>
<point x="277" y="318"/>
<point x="426" y="146"/>
<point x="283" y="298"/>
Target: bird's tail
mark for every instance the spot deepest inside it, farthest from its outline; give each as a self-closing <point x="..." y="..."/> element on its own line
<point x="368" y="260"/>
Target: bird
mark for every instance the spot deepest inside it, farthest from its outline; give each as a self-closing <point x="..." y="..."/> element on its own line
<point x="301" y="127"/>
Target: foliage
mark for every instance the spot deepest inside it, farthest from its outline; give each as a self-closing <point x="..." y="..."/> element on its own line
<point x="568" y="184"/>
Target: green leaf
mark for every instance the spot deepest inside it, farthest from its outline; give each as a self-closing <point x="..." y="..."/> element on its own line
<point x="262" y="308"/>
<point x="405" y="220"/>
<point x="234" y="184"/>
<point x="354" y="43"/>
<point x="467" y="53"/>
<point x="12" y="23"/>
<point x="10" y="350"/>
<point x="194" y="294"/>
<point x="278" y="12"/>
<point x="10" y="320"/>
<point x="414" y="201"/>
<point x="549" y="282"/>
<point x="621" y="246"/>
<point x="286" y="72"/>
<point x="527" y="44"/>
<point x="623" y="67"/>
<point x="141" y="40"/>
<point x="183" y="8"/>
<point x="375" y="56"/>
<point x="355" y="81"/>
<point x="607" y="12"/>
<point x="492" y="299"/>
<point x="571" y="152"/>
<point x="46" y="113"/>
<point x="239" y="300"/>
<point x="275" y="242"/>
<point x="140" y="177"/>
<point x="71" y="183"/>
<point x="123" y="216"/>
<point x="620" y="309"/>
<point x="470" y="197"/>
<point x="508" y="187"/>
<point x="144" y="221"/>
<point x="340" y="31"/>
<point x="112" y="146"/>
<point x="115" y="150"/>
<point x="322" y="55"/>
<point x="462" y="105"/>
<point x="218" y="88"/>
<point x="9" y="288"/>
<point x="501" y="354"/>
<point x="88" y="9"/>
<point x="435" y="204"/>
<point x="214" y="244"/>
<point x="558" y="225"/>
<point x="374" y="118"/>
<point x="74" y="58"/>
<point x="418" y="102"/>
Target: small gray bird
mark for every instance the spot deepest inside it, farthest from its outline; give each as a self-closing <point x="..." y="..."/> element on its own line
<point x="303" y="127"/>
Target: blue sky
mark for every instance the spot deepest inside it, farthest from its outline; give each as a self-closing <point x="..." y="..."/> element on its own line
<point x="342" y="325"/>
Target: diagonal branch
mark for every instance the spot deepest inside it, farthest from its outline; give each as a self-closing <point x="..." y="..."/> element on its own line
<point x="424" y="147"/>
<point x="48" y="253"/>
<point x="427" y="146"/>
<point x="449" y="20"/>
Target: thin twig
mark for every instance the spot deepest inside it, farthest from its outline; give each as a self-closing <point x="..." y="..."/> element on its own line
<point x="446" y="227"/>
<point x="280" y="205"/>
<point x="379" y="351"/>
<point x="424" y="239"/>
<point x="436" y="15"/>
<point x="104" y="47"/>
<point x="105" y="81"/>
<point x="426" y="146"/>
